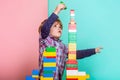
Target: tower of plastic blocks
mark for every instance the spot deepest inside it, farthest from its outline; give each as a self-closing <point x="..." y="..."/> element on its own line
<point x="71" y="63"/>
<point x="49" y="66"/>
<point x="49" y="63"/>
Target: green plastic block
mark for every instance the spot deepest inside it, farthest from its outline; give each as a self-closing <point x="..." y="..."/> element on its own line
<point x="51" y="49"/>
<point x="71" y="39"/>
<point x="48" y="72"/>
<point x="72" y="65"/>
<point x="63" y="3"/>
<point x="72" y="33"/>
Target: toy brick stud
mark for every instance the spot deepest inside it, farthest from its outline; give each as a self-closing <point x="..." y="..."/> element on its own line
<point x="63" y="3"/>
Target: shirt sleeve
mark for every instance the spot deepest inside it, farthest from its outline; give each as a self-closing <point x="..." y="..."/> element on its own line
<point x="47" y="25"/>
<point x="85" y="53"/>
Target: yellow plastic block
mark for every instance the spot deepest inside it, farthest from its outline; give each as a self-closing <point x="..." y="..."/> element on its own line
<point x="35" y="76"/>
<point x="72" y="56"/>
<point x="79" y="77"/>
<point x="72" y="45"/>
<point x="72" y="22"/>
<point x="48" y="54"/>
<point x="48" y="78"/>
<point x="49" y="64"/>
<point x="72" y="49"/>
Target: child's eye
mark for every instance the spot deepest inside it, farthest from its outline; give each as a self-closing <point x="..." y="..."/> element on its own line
<point x="60" y="27"/>
<point x="55" y="26"/>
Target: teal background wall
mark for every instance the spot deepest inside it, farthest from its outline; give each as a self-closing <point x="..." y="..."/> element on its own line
<point x="98" y="24"/>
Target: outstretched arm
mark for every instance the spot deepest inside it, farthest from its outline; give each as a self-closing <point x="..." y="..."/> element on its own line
<point x="85" y="53"/>
<point x="88" y="52"/>
<point x="49" y="22"/>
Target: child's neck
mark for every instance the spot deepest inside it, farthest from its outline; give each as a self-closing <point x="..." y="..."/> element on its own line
<point x="54" y="37"/>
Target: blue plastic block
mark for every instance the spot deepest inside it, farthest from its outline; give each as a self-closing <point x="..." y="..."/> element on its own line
<point x="48" y="75"/>
<point x="35" y="72"/>
<point x="49" y="68"/>
<point x="49" y="59"/>
<point x="30" y="78"/>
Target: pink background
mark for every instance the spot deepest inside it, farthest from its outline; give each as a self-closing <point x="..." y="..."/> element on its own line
<point x="19" y="21"/>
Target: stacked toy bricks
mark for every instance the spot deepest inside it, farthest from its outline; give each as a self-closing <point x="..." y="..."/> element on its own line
<point x="71" y="63"/>
<point x="49" y="63"/>
<point x="35" y="75"/>
<point x="49" y="66"/>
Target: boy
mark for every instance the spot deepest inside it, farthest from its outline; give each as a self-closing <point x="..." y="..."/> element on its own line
<point x="50" y="31"/>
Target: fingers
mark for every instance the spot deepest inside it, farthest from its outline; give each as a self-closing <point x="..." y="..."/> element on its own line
<point x="98" y="49"/>
<point x="61" y="6"/>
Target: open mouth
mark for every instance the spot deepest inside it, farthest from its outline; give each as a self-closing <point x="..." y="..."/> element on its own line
<point x="59" y="31"/>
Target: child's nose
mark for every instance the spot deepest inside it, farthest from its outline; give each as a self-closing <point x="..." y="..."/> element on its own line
<point x="59" y="28"/>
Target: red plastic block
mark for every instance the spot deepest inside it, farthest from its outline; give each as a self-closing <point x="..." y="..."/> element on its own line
<point x="72" y="52"/>
<point x="72" y="26"/>
<point x="51" y="57"/>
<point x="72" y="62"/>
<point x="71" y="68"/>
<point x="71" y="79"/>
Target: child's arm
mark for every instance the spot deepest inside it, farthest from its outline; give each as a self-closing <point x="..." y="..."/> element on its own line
<point x="47" y="25"/>
<point x="85" y="53"/>
<point x="88" y="52"/>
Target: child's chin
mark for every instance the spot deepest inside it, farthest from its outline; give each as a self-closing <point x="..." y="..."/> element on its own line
<point x="58" y="37"/>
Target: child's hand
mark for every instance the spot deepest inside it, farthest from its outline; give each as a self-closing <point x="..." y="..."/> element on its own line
<point x="98" y="49"/>
<point x="59" y="8"/>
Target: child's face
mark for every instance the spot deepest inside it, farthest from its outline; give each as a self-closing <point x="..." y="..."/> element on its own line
<point x="56" y="30"/>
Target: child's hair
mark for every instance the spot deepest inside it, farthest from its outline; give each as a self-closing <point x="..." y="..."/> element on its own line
<point x="42" y="23"/>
